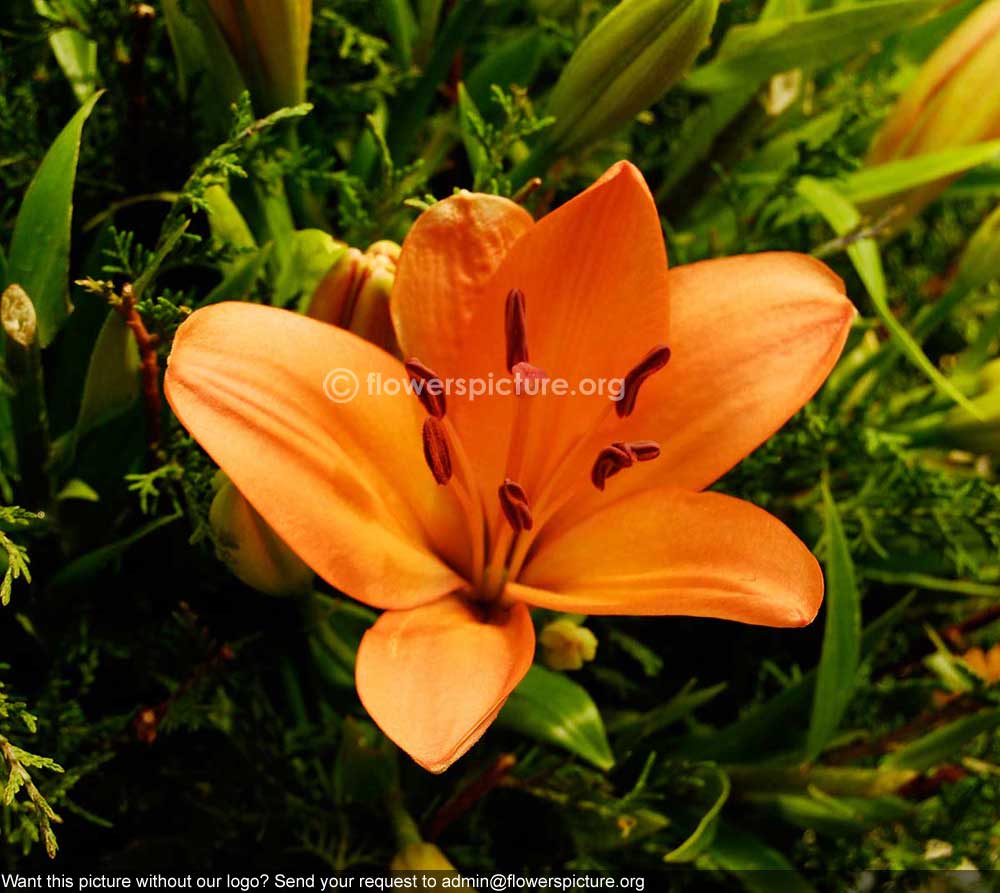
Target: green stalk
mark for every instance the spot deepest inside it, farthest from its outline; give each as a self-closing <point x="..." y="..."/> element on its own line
<point x="28" y="410"/>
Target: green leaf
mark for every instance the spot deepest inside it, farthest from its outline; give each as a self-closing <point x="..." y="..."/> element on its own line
<point x="85" y="568"/>
<point x="702" y="835"/>
<point x="39" y="249"/>
<point x="204" y="61"/>
<point x="942" y="745"/>
<point x="167" y="243"/>
<point x="240" y="279"/>
<point x="633" y="729"/>
<point x="472" y="127"/>
<point x="755" y="52"/>
<point x="366" y="768"/>
<point x="312" y="254"/>
<point x="773" y="725"/>
<point x="228" y="226"/>
<point x="834" y="815"/>
<point x="758" y="867"/>
<point x="516" y="60"/>
<point x="838" y="666"/>
<point x="401" y="24"/>
<point x="76" y="55"/>
<point x="553" y="709"/>
<point x="894" y="177"/>
<point x="79" y="490"/>
<point x="112" y="382"/>
<point x="411" y="108"/>
<point x="844" y="218"/>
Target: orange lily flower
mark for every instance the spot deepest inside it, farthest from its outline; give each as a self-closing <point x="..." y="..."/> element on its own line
<point x="564" y="501"/>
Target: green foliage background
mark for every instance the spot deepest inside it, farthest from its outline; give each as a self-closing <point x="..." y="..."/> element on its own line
<point x="156" y="711"/>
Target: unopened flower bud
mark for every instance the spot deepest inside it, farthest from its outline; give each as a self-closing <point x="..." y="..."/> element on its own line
<point x="954" y="100"/>
<point x="631" y="58"/>
<point x="355" y="294"/>
<point x="421" y="857"/>
<point x="250" y="547"/>
<point x="17" y="314"/>
<point x="566" y="645"/>
<point x="270" y="41"/>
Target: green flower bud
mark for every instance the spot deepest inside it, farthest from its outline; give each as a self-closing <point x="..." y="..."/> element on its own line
<point x="250" y="547"/>
<point x="270" y="42"/>
<point x="631" y="58"/>
<point x="566" y="645"/>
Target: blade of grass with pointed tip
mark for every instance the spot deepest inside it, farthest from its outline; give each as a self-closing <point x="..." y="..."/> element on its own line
<point x="942" y="745"/>
<point x="838" y="666"/>
<point x="701" y="837"/>
<point x="894" y="177"/>
<point x="40" y="246"/>
<point x="755" y="52"/>
<point x="553" y="709"/>
<point x="844" y="218"/>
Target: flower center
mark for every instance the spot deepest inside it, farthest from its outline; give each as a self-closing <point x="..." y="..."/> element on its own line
<point x="500" y="551"/>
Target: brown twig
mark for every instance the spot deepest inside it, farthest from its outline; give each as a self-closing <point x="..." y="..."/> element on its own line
<point x="149" y="365"/>
<point x="925" y="722"/>
<point x="955" y="634"/>
<point x="466" y="798"/>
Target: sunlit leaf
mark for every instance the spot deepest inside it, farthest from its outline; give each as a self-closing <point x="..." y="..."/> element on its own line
<point x="845" y="219"/>
<point x="895" y="177"/>
<point x="756" y="51"/>
<point x="838" y="666"/>
<point x="942" y="745"/>
<point x="553" y="709"/>
<point x="40" y="246"/>
<point x="718" y="790"/>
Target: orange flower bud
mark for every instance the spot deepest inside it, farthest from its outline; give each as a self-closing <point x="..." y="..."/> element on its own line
<point x="270" y="41"/>
<point x="953" y="101"/>
<point x="250" y="547"/>
<point x="566" y="645"/>
<point x="355" y="294"/>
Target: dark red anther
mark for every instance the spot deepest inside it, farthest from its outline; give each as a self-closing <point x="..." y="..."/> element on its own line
<point x="515" y="327"/>
<point x="436" y="450"/>
<point x="653" y="362"/>
<point x="609" y="462"/>
<point x="428" y="387"/>
<point x="639" y="450"/>
<point x="514" y="502"/>
<point x="620" y="455"/>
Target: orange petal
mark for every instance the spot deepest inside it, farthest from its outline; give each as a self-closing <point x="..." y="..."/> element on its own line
<point x="752" y="339"/>
<point x="342" y="483"/>
<point x="672" y="552"/>
<point x="594" y="276"/>
<point x="435" y="677"/>
<point x="447" y="313"/>
<point x="443" y="276"/>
